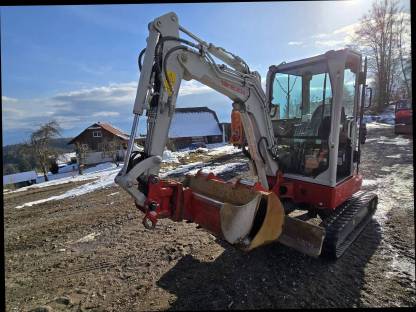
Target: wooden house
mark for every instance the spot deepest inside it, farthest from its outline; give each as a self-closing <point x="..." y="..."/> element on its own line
<point x="100" y="142"/>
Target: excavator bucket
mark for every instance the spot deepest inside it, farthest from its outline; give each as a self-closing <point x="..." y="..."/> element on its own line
<point x="249" y="218"/>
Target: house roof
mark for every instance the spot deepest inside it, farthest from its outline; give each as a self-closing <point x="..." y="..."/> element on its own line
<point x="194" y="121"/>
<point x="106" y="126"/>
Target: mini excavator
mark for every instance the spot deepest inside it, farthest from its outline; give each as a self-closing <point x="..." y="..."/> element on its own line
<point x="302" y="137"/>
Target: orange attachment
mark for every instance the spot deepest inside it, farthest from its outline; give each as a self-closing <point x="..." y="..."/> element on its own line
<point x="237" y="131"/>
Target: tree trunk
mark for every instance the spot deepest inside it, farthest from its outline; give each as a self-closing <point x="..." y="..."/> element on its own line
<point x="45" y="173"/>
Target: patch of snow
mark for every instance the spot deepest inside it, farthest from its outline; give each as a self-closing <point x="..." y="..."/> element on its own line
<point x="210" y="150"/>
<point x="399" y="140"/>
<point x="89" y="174"/>
<point x="368" y="182"/>
<point x="376" y="125"/>
<point x="402" y="265"/>
<point x="394" y="141"/>
<point x="170" y="157"/>
<point x="219" y="169"/>
<point x="105" y="179"/>
<point x="394" y="156"/>
<point x="225" y="149"/>
<point x="66" y="158"/>
<point x="398" y="179"/>
<point x="182" y="169"/>
<point x="88" y="238"/>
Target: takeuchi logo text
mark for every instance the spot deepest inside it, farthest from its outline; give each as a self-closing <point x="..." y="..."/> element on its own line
<point x="233" y="87"/>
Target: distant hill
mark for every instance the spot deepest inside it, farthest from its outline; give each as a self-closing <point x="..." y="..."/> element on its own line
<point x="17" y="159"/>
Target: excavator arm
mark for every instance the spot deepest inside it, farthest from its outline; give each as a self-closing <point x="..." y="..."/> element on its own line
<point x="168" y="60"/>
<point x="245" y="215"/>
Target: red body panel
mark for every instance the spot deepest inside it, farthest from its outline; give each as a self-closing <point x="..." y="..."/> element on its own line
<point x="316" y="195"/>
<point x="404" y="113"/>
<point x="204" y="214"/>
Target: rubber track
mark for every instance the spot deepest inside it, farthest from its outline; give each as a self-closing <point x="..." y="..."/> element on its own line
<point x="335" y="224"/>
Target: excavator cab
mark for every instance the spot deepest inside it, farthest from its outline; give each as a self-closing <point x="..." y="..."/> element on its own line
<point x="318" y="100"/>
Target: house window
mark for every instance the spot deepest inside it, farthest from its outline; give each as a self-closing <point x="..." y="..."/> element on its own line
<point x="97" y="134"/>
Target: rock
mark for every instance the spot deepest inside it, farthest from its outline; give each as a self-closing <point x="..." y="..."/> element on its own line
<point x="42" y="309"/>
<point x="63" y="300"/>
<point x="81" y="291"/>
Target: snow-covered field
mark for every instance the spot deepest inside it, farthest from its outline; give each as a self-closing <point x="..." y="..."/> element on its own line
<point x="104" y="174"/>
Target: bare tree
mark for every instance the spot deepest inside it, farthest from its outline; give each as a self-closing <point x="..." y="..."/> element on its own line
<point x="377" y="36"/>
<point x="81" y="152"/>
<point x="405" y="53"/>
<point x="110" y="149"/>
<point x="40" y="143"/>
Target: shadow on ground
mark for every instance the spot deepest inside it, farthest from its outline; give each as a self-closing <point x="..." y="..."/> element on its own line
<point x="272" y="276"/>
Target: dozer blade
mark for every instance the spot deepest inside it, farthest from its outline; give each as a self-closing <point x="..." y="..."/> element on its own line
<point x="302" y="236"/>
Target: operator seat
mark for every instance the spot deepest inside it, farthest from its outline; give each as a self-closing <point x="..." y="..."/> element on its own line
<point x="321" y="127"/>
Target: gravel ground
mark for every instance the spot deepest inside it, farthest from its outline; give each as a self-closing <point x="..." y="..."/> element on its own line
<point x="91" y="253"/>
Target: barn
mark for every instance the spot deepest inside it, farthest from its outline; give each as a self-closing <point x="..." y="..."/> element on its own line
<point x="194" y="126"/>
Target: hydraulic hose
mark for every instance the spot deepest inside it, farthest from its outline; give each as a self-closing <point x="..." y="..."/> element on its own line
<point x="140" y="58"/>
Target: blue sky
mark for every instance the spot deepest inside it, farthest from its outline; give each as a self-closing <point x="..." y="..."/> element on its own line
<point x="78" y="64"/>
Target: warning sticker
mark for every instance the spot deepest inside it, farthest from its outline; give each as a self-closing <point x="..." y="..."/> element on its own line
<point x="172" y="79"/>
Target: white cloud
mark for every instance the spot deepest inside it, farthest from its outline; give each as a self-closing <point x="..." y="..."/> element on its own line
<point x="106" y="114"/>
<point x="329" y="43"/>
<point x="337" y="38"/>
<point x="344" y="35"/>
<point x="8" y="99"/>
<point x="78" y="108"/>
<point x="348" y="29"/>
<point x="193" y="87"/>
<point x="295" y="42"/>
<point x="319" y="36"/>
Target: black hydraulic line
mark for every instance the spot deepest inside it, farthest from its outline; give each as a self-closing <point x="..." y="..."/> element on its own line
<point x="171" y="38"/>
<point x="140" y="58"/>
<point x="258" y="148"/>
<point x="164" y="62"/>
<point x="361" y="113"/>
